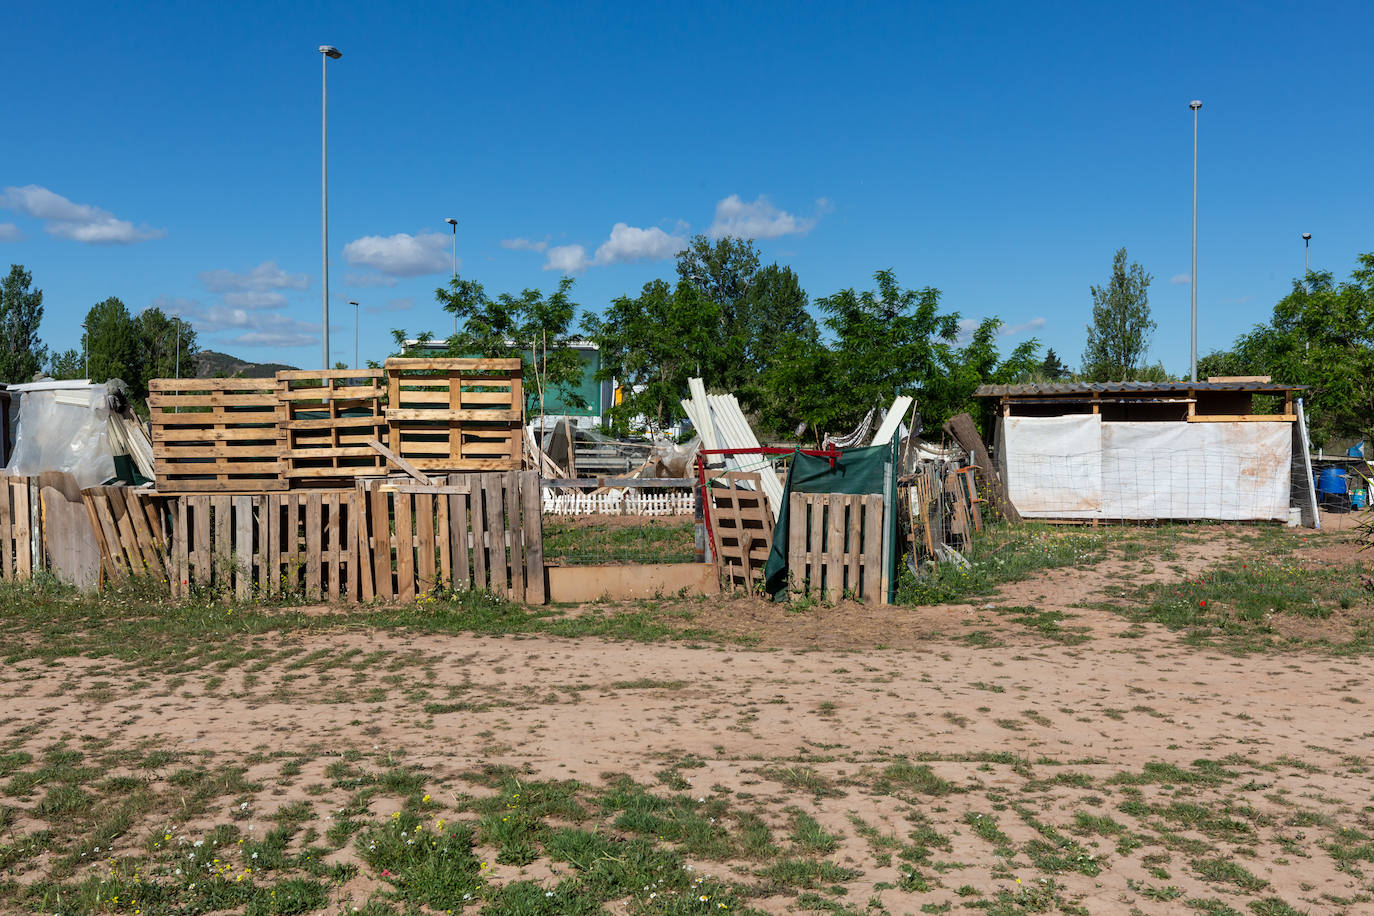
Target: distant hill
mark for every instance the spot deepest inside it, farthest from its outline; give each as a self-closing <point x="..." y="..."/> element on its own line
<point x="210" y="364"/>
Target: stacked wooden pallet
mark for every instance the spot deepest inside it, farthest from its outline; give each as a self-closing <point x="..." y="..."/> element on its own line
<point x="456" y="414"/>
<point x="329" y="419"/>
<point x="217" y="434"/>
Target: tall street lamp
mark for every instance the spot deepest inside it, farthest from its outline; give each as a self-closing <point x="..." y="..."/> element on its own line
<point x="1307" y="253"/>
<point x="1195" y="104"/>
<point x="326" y="52"/>
<point x="354" y="303"/>
<point x="454" y="223"/>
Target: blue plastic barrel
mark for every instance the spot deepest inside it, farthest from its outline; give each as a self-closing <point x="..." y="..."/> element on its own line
<point x="1331" y="481"/>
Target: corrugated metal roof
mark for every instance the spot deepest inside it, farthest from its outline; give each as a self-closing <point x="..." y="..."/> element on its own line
<point x="1044" y="389"/>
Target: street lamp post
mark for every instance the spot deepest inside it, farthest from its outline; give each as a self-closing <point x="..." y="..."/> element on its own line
<point x="454" y="223"/>
<point x="1307" y="253"/>
<point x="326" y="52"/>
<point x="354" y="303"/>
<point x="1192" y="281"/>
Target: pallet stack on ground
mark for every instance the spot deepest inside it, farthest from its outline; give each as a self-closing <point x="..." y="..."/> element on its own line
<point x="217" y="434"/>
<point x="456" y="414"/>
<point x="329" y="418"/>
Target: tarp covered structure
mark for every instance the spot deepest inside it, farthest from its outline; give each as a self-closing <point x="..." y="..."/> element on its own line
<point x="1083" y="467"/>
<point x="84" y="429"/>
<point x="871" y="470"/>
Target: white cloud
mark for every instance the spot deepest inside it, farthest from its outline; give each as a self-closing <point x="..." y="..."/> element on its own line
<point x="9" y="232"/>
<point x="629" y="243"/>
<point x="244" y="325"/>
<point x="626" y="244"/>
<point x="523" y="245"/>
<point x="403" y="304"/>
<point x="363" y="281"/>
<point x="266" y="276"/>
<point x="252" y="299"/>
<point x="1011" y="330"/>
<point x="758" y="220"/>
<point x="568" y="259"/>
<point x="1180" y="279"/>
<point x="78" y="222"/>
<point x="402" y="254"/>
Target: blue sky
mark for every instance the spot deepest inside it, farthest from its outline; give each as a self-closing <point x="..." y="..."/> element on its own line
<point x="169" y="154"/>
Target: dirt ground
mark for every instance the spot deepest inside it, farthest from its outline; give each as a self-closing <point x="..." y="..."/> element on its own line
<point x="1024" y="730"/>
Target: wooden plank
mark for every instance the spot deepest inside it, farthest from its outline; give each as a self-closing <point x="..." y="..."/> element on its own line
<point x="455" y="364"/>
<point x="443" y="539"/>
<point x="853" y="534"/>
<point x="304" y="374"/>
<point x="314" y="533"/>
<point x="532" y="531"/>
<point x="511" y="495"/>
<point x="961" y="427"/>
<point x="181" y="545"/>
<point x="816" y="547"/>
<point x="495" y="535"/>
<point x="458" y="530"/>
<point x="397" y="460"/>
<point x="424" y="542"/>
<point x="124" y="530"/>
<point x="381" y="534"/>
<point x="331" y="559"/>
<point x="478" y="508"/>
<point x="834" y="553"/>
<point x="483" y="414"/>
<point x="23" y="555"/>
<point x="874" y="590"/>
<point x="243" y="547"/>
<point x="223" y="543"/>
<point x="1243" y="418"/>
<point x="212" y="384"/>
<point x="269" y="541"/>
<point x="145" y="535"/>
<point x="112" y="554"/>
<point x="352" y="578"/>
<point x="202" y="559"/>
<point x="364" y="552"/>
<point x="405" y="548"/>
<point x="7" y="527"/>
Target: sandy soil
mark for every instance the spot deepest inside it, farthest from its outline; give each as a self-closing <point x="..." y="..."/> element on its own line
<point x="1298" y="729"/>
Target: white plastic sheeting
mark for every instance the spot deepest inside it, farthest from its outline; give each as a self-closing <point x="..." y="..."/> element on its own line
<point x="1080" y="467"/>
<point x="62" y="426"/>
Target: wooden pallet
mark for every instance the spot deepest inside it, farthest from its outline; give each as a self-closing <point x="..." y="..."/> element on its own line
<point x="328" y="419"/>
<point x="835" y="546"/>
<point x="456" y="414"/>
<point x="18" y="497"/>
<point x="741" y="528"/>
<point x="217" y="434"/>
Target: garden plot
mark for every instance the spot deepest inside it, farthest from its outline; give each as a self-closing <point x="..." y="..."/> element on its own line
<point x="1021" y="752"/>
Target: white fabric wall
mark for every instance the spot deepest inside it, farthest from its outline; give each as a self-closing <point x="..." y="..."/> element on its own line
<point x="1079" y="467"/>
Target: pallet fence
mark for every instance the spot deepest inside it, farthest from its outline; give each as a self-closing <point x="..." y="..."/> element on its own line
<point x="456" y="414"/>
<point x="741" y="528"/>
<point x="835" y="546"/>
<point x="130" y="528"/>
<point x="217" y="434"/>
<point x="328" y="419"/>
<point x="20" y="528"/>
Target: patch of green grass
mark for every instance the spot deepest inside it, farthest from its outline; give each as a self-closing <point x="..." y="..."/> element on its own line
<point x="808" y="835"/>
<point x="1225" y="871"/>
<point x="913" y="777"/>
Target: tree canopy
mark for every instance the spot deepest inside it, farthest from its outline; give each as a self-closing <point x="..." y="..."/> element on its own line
<point x="21" y="311"/>
<point x="1119" y="336"/>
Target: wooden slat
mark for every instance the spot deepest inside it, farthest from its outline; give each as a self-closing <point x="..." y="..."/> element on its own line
<point x="242" y="508"/>
<point x="517" y="553"/>
<point x="478" y="521"/>
<point x="834" y="538"/>
<point x="381" y="544"/>
<point x="314" y="531"/>
<point x="495" y="534"/>
<point x="423" y="506"/>
<point x="494" y="415"/>
<point x="874" y="591"/>
<point x="443" y="539"/>
<point x="853" y="535"/>
<point x="7" y="527"/>
<point x="269" y="540"/>
<point x="402" y="364"/>
<point x="202" y="560"/>
<point x="532" y="530"/>
<point x="458" y="529"/>
<point x="359" y="525"/>
<point x="405" y="547"/>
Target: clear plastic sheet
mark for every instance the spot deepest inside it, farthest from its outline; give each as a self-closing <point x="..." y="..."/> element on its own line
<point x="62" y="426"/>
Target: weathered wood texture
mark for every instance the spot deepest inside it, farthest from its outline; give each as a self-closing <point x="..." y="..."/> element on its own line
<point x="835" y="546"/>
<point x="741" y="528"/>
<point x="17" y="535"/>
<point x="480" y="531"/>
<point x="456" y="414"/>
<point x="130" y="526"/>
<point x="217" y="434"/>
<point x="328" y="418"/>
<point x="962" y="429"/>
<point x="295" y="544"/>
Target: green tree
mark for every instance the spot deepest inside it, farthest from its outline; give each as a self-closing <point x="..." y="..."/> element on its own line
<point x="652" y="344"/>
<point x="723" y="273"/>
<point x="534" y="327"/>
<point x="168" y="347"/>
<point x="1053" y="369"/>
<point x="1119" y="336"/>
<point x="67" y="364"/>
<point x="114" y="344"/>
<point x="22" y="354"/>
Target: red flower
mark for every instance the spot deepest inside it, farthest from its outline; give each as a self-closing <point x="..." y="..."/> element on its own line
<point x="1202" y="603"/>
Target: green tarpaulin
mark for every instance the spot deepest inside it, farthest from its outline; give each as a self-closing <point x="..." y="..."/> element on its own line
<point x="856" y="471"/>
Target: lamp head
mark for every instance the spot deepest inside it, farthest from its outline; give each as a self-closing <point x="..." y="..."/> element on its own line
<point x="1307" y="236"/>
<point x="451" y="221"/>
<point x="1195" y="104"/>
<point x="352" y="302"/>
<point x="331" y="51"/>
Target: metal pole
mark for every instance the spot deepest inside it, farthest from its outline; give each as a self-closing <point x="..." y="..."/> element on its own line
<point x="355" y="333"/>
<point x="324" y="207"/>
<point x="1307" y="253"/>
<point x="1195" y="105"/>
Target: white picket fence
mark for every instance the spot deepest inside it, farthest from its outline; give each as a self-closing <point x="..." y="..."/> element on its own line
<point x="618" y="502"/>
